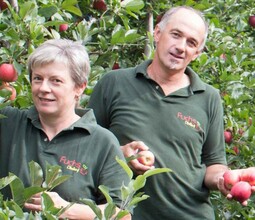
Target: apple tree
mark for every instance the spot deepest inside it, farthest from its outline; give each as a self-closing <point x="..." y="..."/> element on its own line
<point x="119" y="34"/>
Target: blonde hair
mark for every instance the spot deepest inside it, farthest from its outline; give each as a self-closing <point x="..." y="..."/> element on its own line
<point x="71" y="53"/>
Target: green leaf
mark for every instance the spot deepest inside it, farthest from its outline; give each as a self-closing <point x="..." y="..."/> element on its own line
<point x="5" y="181"/>
<point x="26" y="9"/>
<point x="47" y="202"/>
<point x="18" y="210"/>
<point x="73" y="10"/>
<point x="136" y="200"/>
<point x="118" y="35"/>
<point x="32" y="190"/>
<point x="139" y="182"/>
<point x="121" y="214"/>
<point x="51" y="173"/>
<point x="125" y="166"/>
<point x="110" y="210"/>
<point x="3" y="216"/>
<point x="36" y="173"/>
<point x="105" y="191"/>
<point x="125" y="192"/>
<point x="156" y="171"/>
<point x="47" y="11"/>
<point x="93" y="206"/>
<point x="53" y="177"/>
<point x="58" y="181"/>
<point x="131" y="36"/>
<point x="17" y="190"/>
<point x="132" y="5"/>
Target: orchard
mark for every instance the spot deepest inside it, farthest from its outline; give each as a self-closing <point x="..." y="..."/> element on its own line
<point x="119" y="34"/>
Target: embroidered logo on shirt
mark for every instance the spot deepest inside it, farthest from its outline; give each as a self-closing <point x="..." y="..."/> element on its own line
<point x="189" y="121"/>
<point x="74" y="166"/>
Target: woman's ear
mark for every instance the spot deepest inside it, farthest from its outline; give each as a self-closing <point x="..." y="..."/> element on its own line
<point x="80" y="89"/>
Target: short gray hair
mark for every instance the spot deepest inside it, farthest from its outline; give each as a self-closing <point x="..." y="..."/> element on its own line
<point x="71" y="53"/>
<point x="167" y="15"/>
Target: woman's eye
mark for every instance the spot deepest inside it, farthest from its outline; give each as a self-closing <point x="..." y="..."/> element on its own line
<point x="36" y="78"/>
<point x="57" y="80"/>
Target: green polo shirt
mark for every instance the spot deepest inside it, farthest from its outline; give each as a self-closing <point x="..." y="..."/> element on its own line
<point x="85" y="150"/>
<point x="184" y="130"/>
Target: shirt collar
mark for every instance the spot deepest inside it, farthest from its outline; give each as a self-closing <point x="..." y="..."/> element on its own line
<point x="196" y="84"/>
<point x="87" y="120"/>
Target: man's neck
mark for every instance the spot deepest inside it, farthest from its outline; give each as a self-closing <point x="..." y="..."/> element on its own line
<point x="168" y="81"/>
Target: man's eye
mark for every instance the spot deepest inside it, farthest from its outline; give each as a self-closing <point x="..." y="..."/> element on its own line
<point x="192" y="44"/>
<point x="175" y="34"/>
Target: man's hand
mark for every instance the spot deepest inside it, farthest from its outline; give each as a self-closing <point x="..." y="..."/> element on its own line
<point x="131" y="150"/>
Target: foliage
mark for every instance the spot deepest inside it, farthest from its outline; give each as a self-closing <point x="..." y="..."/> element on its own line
<point x="119" y="34"/>
<point x="12" y="209"/>
<point x="130" y="194"/>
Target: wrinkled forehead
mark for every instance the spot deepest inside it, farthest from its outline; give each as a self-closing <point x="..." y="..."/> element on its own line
<point x="188" y="22"/>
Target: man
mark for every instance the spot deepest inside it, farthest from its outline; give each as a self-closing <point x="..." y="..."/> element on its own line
<point x="163" y="105"/>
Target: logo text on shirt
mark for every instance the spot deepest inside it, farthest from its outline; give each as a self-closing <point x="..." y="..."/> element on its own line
<point x="74" y="166"/>
<point x="192" y="122"/>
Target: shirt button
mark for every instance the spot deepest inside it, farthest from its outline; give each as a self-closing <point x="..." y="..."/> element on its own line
<point x="157" y="87"/>
<point x="45" y="139"/>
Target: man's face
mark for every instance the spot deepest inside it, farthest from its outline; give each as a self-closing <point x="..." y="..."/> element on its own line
<point x="179" y="42"/>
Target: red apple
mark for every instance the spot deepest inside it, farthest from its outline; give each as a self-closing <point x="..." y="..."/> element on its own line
<point x="228" y="137"/>
<point x="146" y="157"/>
<point x="8" y="73"/>
<point x="236" y="149"/>
<point x="252" y="20"/>
<point x="248" y="175"/>
<point x="115" y="66"/>
<point x="231" y="177"/>
<point x="10" y="88"/>
<point x="241" y="191"/>
<point x="63" y="27"/>
<point x="223" y="56"/>
<point x="3" y="5"/>
<point x="99" y="5"/>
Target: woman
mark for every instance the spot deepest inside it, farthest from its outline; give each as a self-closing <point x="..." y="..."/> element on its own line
<point x="54" y="131"/>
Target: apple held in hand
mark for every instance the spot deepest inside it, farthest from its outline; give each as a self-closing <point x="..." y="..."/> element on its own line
<point x="8" y="73"/>
<point x="248" y="175"/>
<point x="241" y="191"/>
<point x="231" y="177"/>
<point x="146" y="157"/>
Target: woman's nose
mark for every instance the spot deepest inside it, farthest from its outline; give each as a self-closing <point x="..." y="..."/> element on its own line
<point x="45" y="86"/>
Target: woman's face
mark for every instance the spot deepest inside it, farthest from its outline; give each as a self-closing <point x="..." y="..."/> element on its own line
<point x="53" y="90"/>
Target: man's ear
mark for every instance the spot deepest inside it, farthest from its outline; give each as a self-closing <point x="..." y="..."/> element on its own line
<point x="196" y="55"/>
<point x="157" y="33"/>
